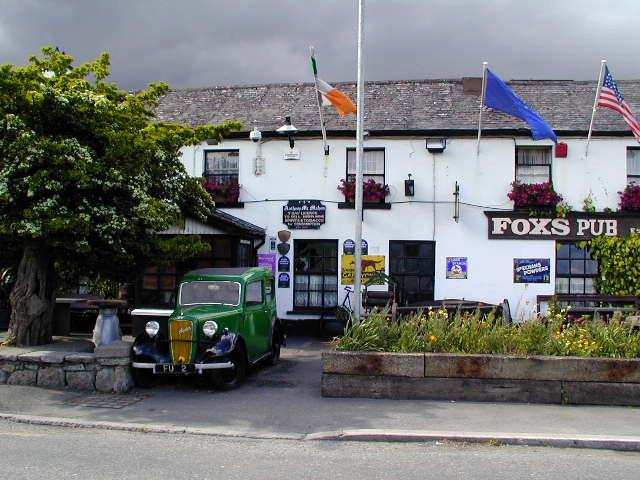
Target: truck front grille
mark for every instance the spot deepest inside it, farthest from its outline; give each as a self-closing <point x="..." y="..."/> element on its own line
<point x="181" y="336"/>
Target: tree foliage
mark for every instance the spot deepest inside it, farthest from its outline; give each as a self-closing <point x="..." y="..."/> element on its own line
<point x="619" y="263"/>
<point x="85" y="171"/>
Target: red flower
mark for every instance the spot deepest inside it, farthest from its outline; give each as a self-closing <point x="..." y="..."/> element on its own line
<point x="534" y="195"/>
<point x="372" y="192"/>
<point x="228" y="192"/>
<point x="630" y="198"/>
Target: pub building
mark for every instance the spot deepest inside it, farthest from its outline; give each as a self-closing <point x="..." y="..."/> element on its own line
<point x="437" y="215"/>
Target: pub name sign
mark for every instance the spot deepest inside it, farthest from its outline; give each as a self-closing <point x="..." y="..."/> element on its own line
<point x="576" y="226"/>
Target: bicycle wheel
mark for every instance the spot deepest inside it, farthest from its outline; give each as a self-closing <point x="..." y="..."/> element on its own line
<point x="343" y="316"/>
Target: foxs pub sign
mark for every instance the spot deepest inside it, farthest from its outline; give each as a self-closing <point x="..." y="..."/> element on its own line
<point x="576" y="226"/>
<point x="303" y="214"/>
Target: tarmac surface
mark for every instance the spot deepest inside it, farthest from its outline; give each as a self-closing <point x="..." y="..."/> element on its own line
<point x="285" y="401"/>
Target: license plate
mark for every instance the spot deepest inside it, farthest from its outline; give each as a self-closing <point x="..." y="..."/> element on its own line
<point x="174" y="368"/>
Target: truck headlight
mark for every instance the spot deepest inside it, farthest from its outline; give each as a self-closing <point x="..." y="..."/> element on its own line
<point x="210" y="328"/>
<point x="152" y="328"/>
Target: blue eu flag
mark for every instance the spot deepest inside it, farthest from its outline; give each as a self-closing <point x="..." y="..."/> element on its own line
<point x="499" y="96"/>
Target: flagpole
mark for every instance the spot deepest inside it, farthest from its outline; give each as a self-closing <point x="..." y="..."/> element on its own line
<point x="482" y="92"/>
<point x="595" y="106"/>
<point x="357" y="279"/>
<point x="325" y="146"/>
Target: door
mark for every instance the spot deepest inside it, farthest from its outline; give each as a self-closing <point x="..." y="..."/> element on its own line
<point x="412" y="267"/>
<point x="257" y="320"/>
<point x="315" y="283"/>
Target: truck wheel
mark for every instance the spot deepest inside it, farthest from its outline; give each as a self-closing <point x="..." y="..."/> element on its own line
<point x="144" y="377"/>
<point x="233" y="377"/>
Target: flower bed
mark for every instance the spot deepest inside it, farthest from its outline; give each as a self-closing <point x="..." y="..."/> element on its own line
<point x="526" y="195"/>
<point x="477" y="358"/>
<point x="373" y="192"/>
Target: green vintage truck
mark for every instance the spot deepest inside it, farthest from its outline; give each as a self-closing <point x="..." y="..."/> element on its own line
<point x="225" y="320"/>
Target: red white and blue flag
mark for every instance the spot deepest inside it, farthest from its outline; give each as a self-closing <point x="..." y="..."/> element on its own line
<point x="611" y="97"/>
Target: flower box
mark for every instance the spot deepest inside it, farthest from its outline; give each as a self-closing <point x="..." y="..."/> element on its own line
<point x="540" y="196"/>
<point x="373" y="192"/>
<point x="227" y="193"/>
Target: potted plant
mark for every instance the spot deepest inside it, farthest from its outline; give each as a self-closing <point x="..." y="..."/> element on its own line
<point x="630" y="199"/>
<point x="536" y="196"/>
<point x="225" y="193"/>
<point x="373" y="192"/>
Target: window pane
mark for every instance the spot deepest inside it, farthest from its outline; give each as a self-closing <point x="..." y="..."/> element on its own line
<point x="576" y="251"/>
<point x="301" y="282"/>
<point x="591" y="267"/>
<point x="315" y="299"/>
<point x="254" y="293"/>
<point x="562" y="285"/>
<point x="330" y="299"/>
<point x="576" y="285"/>
<point x="562" y="250"/>
<point x="372" y="162"/>
<point x="577" y="267"/>
<point x="221" y="163"/>
<point x="589" y="285"/>
<point x="633" y="161"/>
<point x="532" y="174"/>
<point x="330" y="282"/>
<point x="533" y="155"/>
<point x="301" y="299"/>
<point x="315" y="282"/>
<point x="562" y="267"/>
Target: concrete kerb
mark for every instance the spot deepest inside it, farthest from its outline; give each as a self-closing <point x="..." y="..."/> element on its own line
<point x="599" y="442"/>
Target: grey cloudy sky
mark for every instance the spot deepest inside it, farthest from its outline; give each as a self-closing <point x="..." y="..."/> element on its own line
<point x="191" y="43"/>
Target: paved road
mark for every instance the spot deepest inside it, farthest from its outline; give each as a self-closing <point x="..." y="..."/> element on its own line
<point x="32" y="452"/>
<point x="286" y="399"/>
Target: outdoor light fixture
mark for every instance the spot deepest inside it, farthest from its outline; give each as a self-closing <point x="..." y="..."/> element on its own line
<point x="436" y="145"/>
<point x="289" y="130"/>
<point x="409" y="187"/>
<point x="212" y="141"/>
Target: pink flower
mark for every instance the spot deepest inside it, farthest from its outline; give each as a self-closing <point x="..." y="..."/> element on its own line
<point x="534" y="195"/>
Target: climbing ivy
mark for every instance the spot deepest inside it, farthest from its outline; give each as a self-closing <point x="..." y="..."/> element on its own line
<point x="619" y="260"/>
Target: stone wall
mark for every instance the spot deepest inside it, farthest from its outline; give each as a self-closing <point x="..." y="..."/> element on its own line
<point x="484" y="378"/>
<point x="108" y="369"/>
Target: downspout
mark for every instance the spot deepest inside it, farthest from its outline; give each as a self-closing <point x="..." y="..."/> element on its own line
<point x="433" y="205"/>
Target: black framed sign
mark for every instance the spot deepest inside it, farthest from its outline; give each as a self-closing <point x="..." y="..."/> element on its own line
<point x="284" y="264"/>
<point x="304" y="214"/>
<point x="349" y="247"/>
<point x="284" y="281"/>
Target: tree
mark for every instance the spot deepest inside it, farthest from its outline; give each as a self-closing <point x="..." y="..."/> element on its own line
<point x="86" y="178"/>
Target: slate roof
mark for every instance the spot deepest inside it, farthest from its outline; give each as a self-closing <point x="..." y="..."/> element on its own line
<point x="403" y="105"/>
<point x="234" y="224"/>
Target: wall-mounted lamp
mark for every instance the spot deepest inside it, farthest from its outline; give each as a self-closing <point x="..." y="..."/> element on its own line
<point x="289" y="130"/>
<point x="409" y="187"/>
<point x="436" y="145"/>
<point x="212" y="141"/>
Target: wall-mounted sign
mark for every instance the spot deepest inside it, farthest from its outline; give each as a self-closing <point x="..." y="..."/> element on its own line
<point x="284" y="280"/>
<point x="371" y="264"/>
<point x="292" y="154"/>
<point x="531" y="270"/>
<point x="283" y="248"/>
<point x="284" y="235"/>
<point x="303" y="214"/>
<point x="272" y="244"/>
<point x="576" y="226"/>
<point x="457" y="268"/>
<point x="267" y="260"/>
<point x="284" y="264"/>
<point x="349" y="247"/>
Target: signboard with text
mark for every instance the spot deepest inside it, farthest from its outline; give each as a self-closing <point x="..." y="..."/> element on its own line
<point x="576" y="226"/>
<point x="457" y="268"/>
<point x="267" y="260"/>
<point x="371" y="264"/>
<point x="303" y="214"/>
<point x="531" y="270"/>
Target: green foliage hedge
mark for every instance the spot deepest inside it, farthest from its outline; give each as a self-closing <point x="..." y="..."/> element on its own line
<point x="437" y="331"/>
<point x="619" y="261"/>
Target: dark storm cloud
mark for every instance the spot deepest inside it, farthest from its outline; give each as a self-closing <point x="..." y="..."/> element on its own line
<point x="197" y="42"/>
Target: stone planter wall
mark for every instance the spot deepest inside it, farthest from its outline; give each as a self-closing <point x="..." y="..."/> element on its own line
<point x="108" y="369"/>
<point x="485" y="378"/>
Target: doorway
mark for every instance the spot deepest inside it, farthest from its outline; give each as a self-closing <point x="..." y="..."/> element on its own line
<point x="412" y="267"/>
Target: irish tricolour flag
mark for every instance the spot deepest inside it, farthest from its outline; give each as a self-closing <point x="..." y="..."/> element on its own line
<point x="332" y="96"/>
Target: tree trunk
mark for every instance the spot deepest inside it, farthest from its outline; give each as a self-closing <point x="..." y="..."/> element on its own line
<point x="32" y="300"/>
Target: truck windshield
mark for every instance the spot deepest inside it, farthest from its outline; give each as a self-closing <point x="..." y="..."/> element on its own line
<point x="202" y="292"/>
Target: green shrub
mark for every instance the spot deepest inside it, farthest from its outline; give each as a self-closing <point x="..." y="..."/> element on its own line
<point x="437" y="331"/>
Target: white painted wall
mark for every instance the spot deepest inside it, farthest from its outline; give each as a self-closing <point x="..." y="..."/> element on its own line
<point x="484" y="180"/>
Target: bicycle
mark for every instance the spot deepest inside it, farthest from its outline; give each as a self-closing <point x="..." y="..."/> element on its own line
<point x="344" y="312"/>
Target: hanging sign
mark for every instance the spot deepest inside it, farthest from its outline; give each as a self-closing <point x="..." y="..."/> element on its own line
<point x="457" y="268"/>
<point x="284" y="264"/>
<point x="267" y="260"/>
<point x="371" y="264"/>
<point x="576" y="226"/>
<point x="349" y="247"/>
<point x="284" y="280"/>
<point x="531" y="270"/>
<point x="303" y="214"/>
